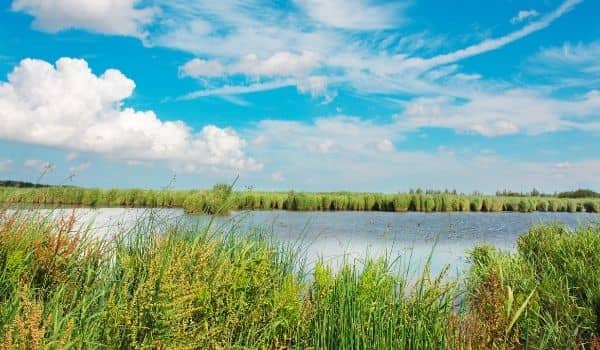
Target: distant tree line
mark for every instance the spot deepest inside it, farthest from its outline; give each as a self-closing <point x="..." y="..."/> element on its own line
<point x="25" y="184"/>
<point x="579" y="193"/>
<point x="429" y="191"/>
<point x="533" y="193"/>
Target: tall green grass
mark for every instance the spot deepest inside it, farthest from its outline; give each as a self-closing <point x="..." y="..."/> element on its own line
<point x="554" y="275"/>
<point x="61" y="288"/>
<point x="221" y="199"/>
<point x="190" y="288"/>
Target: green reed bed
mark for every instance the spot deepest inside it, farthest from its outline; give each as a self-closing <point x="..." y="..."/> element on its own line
<point x="185" y="288"/>
<point x="62" y="289"/>
<point x="553" y="276"/>
<point x="221" y="199"/>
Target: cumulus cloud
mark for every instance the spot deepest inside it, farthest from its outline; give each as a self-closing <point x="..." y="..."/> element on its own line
<point x="523" y="15"/>
<point x="5" y="164"/>
<point x="353" y="14"/>
<point x="67" y="106"/>
<point x="120" y="17"/>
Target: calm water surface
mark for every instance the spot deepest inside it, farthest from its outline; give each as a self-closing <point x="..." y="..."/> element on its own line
<point x="335" y="236"/>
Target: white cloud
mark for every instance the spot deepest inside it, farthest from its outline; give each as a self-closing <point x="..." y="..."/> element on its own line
<point x="272" y="44"/>
<point x="76" y="169"/>
<point x="508" y="113"/>
<point x="581" y="57"/>
<point x="39" y="165"/>
<point x="71" y="156"/>
<point x="280" y="70"/>
<point x="563" y="165"/>
<point x="318" y="146"/>
<point x="354" y="14"/>
<point x="566" y="68"/>
<point x="445" y="151"/>
<point x="356" y="163"/>
<point x="330" y="136"/>
<point x="385" y="145"/>
<point x="315" y="85"/>
<point x="5" y="164"/>
<point x="68" y="107"/>
<point x="235" y="38"/>
<point x="492" y="44"/>
<point x="202" y="68"/>
<point x="279" y="64"/>
<point x="277" y="176"/>
<point x="121" y="17"/>
<point x="240" y="89"/>
<point x="523" y="15"/>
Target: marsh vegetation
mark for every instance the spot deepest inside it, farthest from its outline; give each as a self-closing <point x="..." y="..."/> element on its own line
<point x="222" y="198"/>
<point x="194" y="287"/>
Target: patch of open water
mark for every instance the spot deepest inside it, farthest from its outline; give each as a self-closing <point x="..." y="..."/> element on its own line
<point x="335" y="236"/>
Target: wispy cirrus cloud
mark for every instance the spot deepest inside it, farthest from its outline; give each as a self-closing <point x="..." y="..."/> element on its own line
<point x="495" y="43"/>
<point x="523" y="15"/>
<point x="273" y="44"/>
<point x="229" y="90"/>
<point x="360" y="65"/>
<point x="280" y="64"/>
<point x="279" y="70"/>
<point x="584" y="57"/>
<point x="568" y="66"/>
<point x="354" y="14"/>
<point x="245" y="38"/>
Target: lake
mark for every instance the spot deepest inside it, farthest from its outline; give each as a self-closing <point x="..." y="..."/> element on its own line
<point x="335" y="236"/>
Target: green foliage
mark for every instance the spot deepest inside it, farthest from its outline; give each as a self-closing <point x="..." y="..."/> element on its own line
<point x="221" y="199"/>
<point x="554" y="275"/>
<point x="580" y="193"/>
<point x="200" y="288"/>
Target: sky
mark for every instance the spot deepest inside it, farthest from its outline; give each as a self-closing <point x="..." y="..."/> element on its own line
<point x="317" y="95"/>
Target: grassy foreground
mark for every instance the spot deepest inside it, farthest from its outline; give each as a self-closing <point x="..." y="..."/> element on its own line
<point x="222" y="199"/>
<point x="190" y="289"/>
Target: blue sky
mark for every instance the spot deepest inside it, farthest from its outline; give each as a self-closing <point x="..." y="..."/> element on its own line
<point x="302" y="94"/>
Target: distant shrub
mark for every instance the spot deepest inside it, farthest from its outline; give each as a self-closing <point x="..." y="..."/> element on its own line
<point x="580" y="193"/>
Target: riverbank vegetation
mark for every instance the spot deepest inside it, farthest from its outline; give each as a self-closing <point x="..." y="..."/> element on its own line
<point x="197" y="288"/>
<point x="221" y="199"/>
